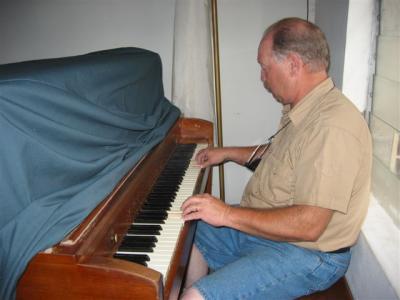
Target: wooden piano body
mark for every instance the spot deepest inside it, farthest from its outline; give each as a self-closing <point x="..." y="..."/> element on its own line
<point x="82" y="265"/>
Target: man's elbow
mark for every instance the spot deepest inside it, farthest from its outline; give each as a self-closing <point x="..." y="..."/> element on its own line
<point x="312" y="234"/>
<point x="314" y="222"/>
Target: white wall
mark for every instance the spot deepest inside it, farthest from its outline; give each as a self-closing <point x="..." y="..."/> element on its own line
<point x="359" y="50"/>
<point x="331" y="17"/>
<point x="374" y="270"/>
<point x="250" y="114"/>
<point x="37" y="29"/>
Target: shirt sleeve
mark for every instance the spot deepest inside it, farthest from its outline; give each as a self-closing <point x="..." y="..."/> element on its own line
<point x="327" y="165"/>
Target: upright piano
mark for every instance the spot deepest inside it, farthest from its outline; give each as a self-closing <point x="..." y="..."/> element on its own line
<point x="134" y="245"/>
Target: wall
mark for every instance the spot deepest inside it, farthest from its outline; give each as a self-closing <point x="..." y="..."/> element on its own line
<point x="327" y="13"/>
<point x="358" y="62"/>
<point x="374" y="270"/>
<point x="53" y="28"/>
<point x="250" y="114"/>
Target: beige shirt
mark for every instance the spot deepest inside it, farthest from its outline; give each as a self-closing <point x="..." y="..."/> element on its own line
<point x="321" y="158"/>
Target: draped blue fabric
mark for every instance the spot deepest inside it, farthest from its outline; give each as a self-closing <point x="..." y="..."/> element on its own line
<point x="70" y="129"/>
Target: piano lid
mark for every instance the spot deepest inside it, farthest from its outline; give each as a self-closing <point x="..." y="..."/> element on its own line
<point x="73" y="127"/>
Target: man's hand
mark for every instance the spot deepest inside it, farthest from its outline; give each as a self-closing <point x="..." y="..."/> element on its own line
<point x="210" y="157"/>
<point x="207" y="208"/>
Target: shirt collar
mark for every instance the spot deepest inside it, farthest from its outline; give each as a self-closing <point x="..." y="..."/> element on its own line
<point x="313" y="98"/>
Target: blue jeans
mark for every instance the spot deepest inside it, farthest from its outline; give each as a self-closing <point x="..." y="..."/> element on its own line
<point x="247" y="267"/>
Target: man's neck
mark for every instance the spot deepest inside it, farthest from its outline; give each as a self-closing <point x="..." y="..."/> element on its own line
<point x="307" y="83"/>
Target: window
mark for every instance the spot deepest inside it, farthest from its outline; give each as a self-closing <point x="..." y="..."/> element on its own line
<point x="385" y="117"/>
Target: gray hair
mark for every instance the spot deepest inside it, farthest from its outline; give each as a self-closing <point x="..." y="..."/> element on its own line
<point x="301" y="37"/>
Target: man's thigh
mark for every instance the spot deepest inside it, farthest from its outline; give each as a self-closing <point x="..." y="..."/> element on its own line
<point x="218" y="245"/>
<point x="254" y="268"/>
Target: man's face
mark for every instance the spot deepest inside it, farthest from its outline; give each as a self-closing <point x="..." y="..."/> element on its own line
<point x="274" y="73"/>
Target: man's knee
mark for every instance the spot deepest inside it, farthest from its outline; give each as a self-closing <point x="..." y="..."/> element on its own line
<point x="197" y="267"/>
<point x="191" y="294"/>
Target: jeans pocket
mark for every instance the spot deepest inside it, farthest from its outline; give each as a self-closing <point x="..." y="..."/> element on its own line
<point x="340" y="259"/>
<point x="331" y="269"/>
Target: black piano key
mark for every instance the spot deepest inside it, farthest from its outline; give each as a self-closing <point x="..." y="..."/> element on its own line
<point x="137" y="245"/>
<point x="139" y="248"/>
<point x="136" y="258"/>
<point x="167" y="186"/>
<point x="172" y="176"/>
<point x="161" y="196"/>
<point x="157" y="205"/>
<point x="158" y="212"/>
<point x="172" y="172"/>
<point x="159" y="200"/>
<point x="155" y="195"/>
<point x="166" y="196"/>
<point x="152" y="215"/>
<point x="152" y="212"/>
<point x="144" y="229"/>
<point x="171" y="186"/>
<point x="160" y="192"/>
<point x="132" y="239"/>
<point x="149" y="221"/>
<point x="164" y="189"/>
<point x="157" y="208"/>
<point x="131" y="256"/>
<point x="166" y="208"/>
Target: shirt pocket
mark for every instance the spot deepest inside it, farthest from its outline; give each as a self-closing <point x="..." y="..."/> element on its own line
<point x="276" y="182"/>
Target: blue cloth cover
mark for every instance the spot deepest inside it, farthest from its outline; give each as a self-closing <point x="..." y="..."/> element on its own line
<point x="70" y="129"/>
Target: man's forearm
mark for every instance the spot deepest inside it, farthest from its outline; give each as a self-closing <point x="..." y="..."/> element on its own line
<point x="239" y="155"/>
<point x="295" y="223"/>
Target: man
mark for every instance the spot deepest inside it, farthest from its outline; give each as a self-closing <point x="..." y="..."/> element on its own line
<point x="304" y="205"/>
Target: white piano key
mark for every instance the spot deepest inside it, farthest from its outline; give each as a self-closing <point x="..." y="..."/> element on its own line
<point x="161" y="257"/>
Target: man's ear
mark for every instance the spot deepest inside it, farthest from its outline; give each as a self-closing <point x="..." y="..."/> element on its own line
<point x="295" y="63"/>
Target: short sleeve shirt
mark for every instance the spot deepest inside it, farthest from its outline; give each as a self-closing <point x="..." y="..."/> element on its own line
<point x="321" y="157"/>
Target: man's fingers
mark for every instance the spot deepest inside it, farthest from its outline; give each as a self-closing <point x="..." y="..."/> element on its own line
<point x="191" y="212"/>
<point x="189" y="204"/>
<point x="202" y="155"/>
<point x="193" y="205"/>
<point x="192" y="216"/>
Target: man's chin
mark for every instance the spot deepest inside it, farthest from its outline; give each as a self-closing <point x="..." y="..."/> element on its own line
<point x="278" y="99"/>
<point x="273" y="95"/>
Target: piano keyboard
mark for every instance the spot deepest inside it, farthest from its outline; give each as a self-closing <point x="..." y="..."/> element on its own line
<point x="152" y="238"/>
